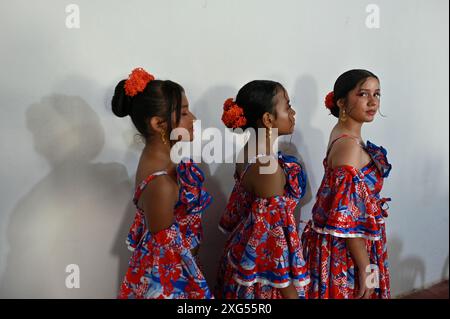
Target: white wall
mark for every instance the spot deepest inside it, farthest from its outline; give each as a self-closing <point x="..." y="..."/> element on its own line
<point x="68" y="165"/>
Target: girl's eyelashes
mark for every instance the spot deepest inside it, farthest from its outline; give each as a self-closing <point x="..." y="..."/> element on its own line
<point x="367" y="94"/>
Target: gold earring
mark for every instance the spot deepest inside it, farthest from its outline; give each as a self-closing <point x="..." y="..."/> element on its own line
<point x="163" y="137"/>
<point x="270" y="133"/>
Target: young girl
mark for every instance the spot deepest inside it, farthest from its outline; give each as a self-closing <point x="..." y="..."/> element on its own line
<point x="170" y="199"/>
<point x="263" y="256"/>
<point x="345" y="243"/>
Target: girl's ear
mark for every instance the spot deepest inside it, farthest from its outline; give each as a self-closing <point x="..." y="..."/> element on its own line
<point x="267" y="120"/>
<point x="340" y="103"/>
<point x="157" y="124"/>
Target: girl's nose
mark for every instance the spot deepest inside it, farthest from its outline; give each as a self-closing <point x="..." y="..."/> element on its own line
<point x="372" y="100"/>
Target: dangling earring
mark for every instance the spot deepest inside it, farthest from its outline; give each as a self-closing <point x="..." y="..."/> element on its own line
<point x="344" y="116"/>
<point x="270" y="134"/>
<point x="163" y="137"/>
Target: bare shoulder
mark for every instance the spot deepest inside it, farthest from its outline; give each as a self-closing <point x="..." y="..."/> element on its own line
<point x="267" y="180"/>
<point x="346" y="151"/>
<point x="157" y="201"/>
<point x="161" y="185"/>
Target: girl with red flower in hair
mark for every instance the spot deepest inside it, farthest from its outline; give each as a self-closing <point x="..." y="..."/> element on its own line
<point x="170" y="199"/>
<point x="263" y="257"/>
<point x="345" y="243"/>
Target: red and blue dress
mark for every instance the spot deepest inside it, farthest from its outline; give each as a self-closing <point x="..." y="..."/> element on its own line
<point x="348" y="205"/>
<point x="162" y="265"/>
<point x="263" y="252"/>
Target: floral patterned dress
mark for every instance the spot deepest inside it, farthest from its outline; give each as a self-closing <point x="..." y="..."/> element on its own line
<point x="348" y="205"/>
<point x="263" y="252"/>
<point x="162" y="265"/>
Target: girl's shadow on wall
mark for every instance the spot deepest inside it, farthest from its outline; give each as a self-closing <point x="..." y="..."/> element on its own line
<point x="208" y="109"/>
<point x="308" y="141"/>
<point x="407" y="272"/>
<point x="77" y="214"/>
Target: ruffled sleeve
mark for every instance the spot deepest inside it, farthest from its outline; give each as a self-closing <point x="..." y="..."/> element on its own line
<point x="193" y="200"/>
<point x="136" y="232"/>
<point x="267" y="248"/>
<point x="347" y="206"/>
<point x="379" y="156"/>
<point x="192" y="193"/>
<point x="296" y="178"/>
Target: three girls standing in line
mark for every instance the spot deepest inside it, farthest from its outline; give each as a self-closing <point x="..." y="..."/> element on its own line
<point x="342" y="250"/>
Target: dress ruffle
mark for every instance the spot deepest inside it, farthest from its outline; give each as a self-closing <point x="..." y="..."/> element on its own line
<point x="295" y="174"/>
<point x="352" y="211"/>
<point x="379" y="156"/>
<point x="266" y="248"/>
<point x="162" y="267"/>
<point x="192" y="193"/>
<point x="136" y="231"/>
<point x="193" y="200"/>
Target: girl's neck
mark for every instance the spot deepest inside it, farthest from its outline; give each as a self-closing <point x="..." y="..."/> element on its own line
<point x="160" y="153"/>
<point x="262" y="147"/>
<point x="350" y="127"/>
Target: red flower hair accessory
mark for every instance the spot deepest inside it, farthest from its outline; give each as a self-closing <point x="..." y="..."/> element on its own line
<point x="137" y="81"/>
<point x="329" y="100"/>
<point x="233" y="115"/>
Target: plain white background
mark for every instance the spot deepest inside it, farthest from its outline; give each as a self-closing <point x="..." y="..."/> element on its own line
<point x="68" y="164"/>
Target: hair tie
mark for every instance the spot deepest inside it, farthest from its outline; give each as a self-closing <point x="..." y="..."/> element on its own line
<point x="233" y="115"/>
<point x="137" y="81"/>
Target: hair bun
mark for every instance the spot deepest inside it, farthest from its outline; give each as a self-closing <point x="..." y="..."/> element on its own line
<point x="121" y="103"/>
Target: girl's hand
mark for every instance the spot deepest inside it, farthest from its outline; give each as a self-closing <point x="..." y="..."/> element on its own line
<point x="358" y="251"/>
<point x="289" y="292"/>
<point x="364" y="291"/>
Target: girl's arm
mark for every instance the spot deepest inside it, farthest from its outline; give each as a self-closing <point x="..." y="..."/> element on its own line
<point x="158" y="200"/>
<point x="358" y="251"/>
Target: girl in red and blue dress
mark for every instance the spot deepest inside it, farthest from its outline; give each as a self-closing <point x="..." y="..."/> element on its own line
<point x="345" y="243"/>
<point x="170" y="199"/>
<point x="263" y="256"/>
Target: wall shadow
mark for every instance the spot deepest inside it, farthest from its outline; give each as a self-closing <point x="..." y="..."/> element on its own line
<point x="309" y="141"/>
<point x="407" y="272"/>
<point x="74" y="215"/>
<point x="208" y="108"/>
